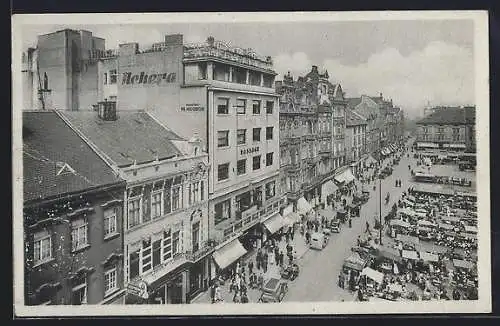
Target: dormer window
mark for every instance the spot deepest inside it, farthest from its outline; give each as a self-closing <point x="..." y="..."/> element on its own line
<point x="63" y="168"/>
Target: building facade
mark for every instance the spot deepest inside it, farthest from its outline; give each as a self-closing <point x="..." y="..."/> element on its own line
<point x="312" y="134"/>
<point x="166" y="224"/>
<point x="450" y="128"/>
<point x="368" y="109"/>
<point x="72" y="218"/>
<point x="355" y="140"/>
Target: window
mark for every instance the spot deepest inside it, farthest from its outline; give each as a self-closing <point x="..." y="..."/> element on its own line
<point x="156" y="204"/>
<point x="202" y="190"/>
<point x="269" y="133"/>
<point x="175" y="242"/>
<point x="79" y="291"/>
<point x="177" y="194"/>
<point x="440" y="129"/>
<point x="222" y="105"/>
<point x="223" y="171"/>
<point x="105" y="78"/>
<point x="110" y="221"/>
<point x="112" y="76"/>
<point x="166" y="248"/>
<point x="254" y="78"/>
<point x="223" y="138"/>
<point x="134" y="212"/>
<point x="268" y="80"/>
<point x="79" y="234"/>
<point x="42" y="247"/>
<point x="194" y="192"/>
<point x="221" y="72"/>
<point x="239" y="75"/>
<point x="256" y="162"/>
<point x="146" y="262"/>
<point x="241" y="138"/>
<point x="134" y="264"/>
<point x="269" y="159"/>
<point x="156" y="253"/>
<point x="270" y="189"/>
<point x="195" y="236"/>
<point x="222" y="211"/>
<point x="269" y="107"/>
<point x="242" y="166"/>
<point x="241" y="106"/>
<point x="256" y="134"/>
<point x="110" y="284"/>
<point x="256" y="107"/>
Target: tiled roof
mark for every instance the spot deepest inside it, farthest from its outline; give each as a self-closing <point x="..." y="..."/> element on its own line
<point x="353" y="102"/>
<point x="48" y="144"/>
<point x="353" y="119"/>
<point x="450" y="116"/>
<point x="134" y="136"/>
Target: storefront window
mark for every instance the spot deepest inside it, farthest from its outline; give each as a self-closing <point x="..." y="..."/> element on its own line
<point x="270" y="190"/>
<point x="134" y="264"/>
<point x="243" y="203"/>
<point x="222" y="211"/>
<point x="196" y="236"/>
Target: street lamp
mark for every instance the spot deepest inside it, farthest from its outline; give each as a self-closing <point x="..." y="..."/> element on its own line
<point x="380" y="199"/>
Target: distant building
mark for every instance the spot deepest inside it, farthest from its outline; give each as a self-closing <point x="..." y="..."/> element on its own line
<point x="369" y="110"/>
<point x="73" y="204"/>
<point x="449" y="128"/>
<point x="355" y="140"/>
<point x="165" y="238"/>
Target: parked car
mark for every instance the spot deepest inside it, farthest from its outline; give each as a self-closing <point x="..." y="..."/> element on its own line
<point x="318" y="240"/>
<point x="335" y="226"/>
<point x="291" y="272"/>
<point x="273" y="291"/>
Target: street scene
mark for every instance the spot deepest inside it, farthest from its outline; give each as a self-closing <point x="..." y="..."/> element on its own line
<point x="173" y="164"/>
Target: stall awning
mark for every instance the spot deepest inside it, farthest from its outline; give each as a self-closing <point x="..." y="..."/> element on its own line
<point x="457" y="146"/>
<point x="328" y="188"/>
<point x="408" y="239"/>
<point x="409" y="254"/>
<point x="228" y="254"/>
<point x="389" y="253"/>
<point x="345" y="176"/>
<point x="303" y="206"/>
<point x="373" y="274"/>
<point x="274" y="223"/>
<point x="445" y="226"/>
<point x="425" y="223"/>
<point x="427" y="256"/>
<point x="463" y="264"/>
<point x="406" y="211"/>
<point x="400" y="223"/>
<point x="470" y="229"/>
<point x="427" y="145"/>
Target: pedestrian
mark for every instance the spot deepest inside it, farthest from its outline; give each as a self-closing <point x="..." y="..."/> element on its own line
<point x="359" y="241"/>
<point x="212" y="293"/>
<point x="259" y="258"/>
<point x="250" y="266"/>
<point x="350" y="222"/>
<point x="367" y="227"/>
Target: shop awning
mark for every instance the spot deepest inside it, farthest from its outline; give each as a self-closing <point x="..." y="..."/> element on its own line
<point x="457" y="146"/>
<point x="409" y="254"/>
<point x="228" y="254"/>
<point x="373" y="274"/>
<point x="328" y="188"/>
<point x="370" y="160"/>
<point x="400" y="223"/>
<point x="345" y="176"/>
<point x="427" y="145"/>
<point x="292" y="218"/>
<point x="274" y="223"/>
<point x="427" y="256"/>
<point x="303" y="206"/>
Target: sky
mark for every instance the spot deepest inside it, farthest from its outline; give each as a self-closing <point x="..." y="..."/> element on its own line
<point x="415" y="63"/>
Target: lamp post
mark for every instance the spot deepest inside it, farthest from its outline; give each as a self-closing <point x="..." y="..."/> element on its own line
<point x="380" y="199"/>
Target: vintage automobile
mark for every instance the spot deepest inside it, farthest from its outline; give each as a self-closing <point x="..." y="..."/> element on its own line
<point x="273" y="291"/>
<point x="463" y="166"/>
<point x="335" y="226"/>
<point x="291" y="272"/>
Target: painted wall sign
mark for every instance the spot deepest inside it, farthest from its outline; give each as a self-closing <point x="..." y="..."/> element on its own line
<point x="192" y="108"/>
<point x="140" y="289"/>
<point x="250" y="150"/>
<point x="143" y="78"/>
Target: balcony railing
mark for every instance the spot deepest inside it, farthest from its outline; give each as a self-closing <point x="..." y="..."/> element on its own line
<point x="204" y="249"/>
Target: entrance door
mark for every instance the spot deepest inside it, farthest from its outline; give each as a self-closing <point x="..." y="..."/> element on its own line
<point x="174" y="291"/>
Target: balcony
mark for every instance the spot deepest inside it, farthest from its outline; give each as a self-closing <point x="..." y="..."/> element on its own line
<point x="204" y="249"/>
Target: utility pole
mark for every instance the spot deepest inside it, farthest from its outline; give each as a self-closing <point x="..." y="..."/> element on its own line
<point x="380" y="208"/>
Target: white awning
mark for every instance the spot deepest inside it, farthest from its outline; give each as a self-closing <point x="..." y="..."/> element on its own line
<point x="470" y="229"/>
<point x="303" y="206"/>
<point x="425" y="223"/>
<point x="400" y="223"/>
<point x="408" y="239"/>
<point x="427" y="256"/>
<point x="328" y="188"/>
<point x="287" y="210"/>
<point x="409" y="254"/>
<point x="291" y="218"/>
<point x="345" y="176"/>
<point x="428" y="145"/>
<point x="463" y="264"/>
<point x="457" y="146"/>
<point x="228" y="254"/>
<point x="373" y="274"/>
<point x="274" y="223"/>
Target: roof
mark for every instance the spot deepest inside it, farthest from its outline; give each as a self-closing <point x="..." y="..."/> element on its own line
<point x="450" y="116"/>
<point x="134" y="136"/>
<point x="353" y="102"/>
<point x="51" y="146"/>
<point x="353" y="118"/>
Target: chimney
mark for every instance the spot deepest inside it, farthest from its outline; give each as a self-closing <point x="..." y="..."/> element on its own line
<point x="314" y="69"/>
<point x="107" y="110"/>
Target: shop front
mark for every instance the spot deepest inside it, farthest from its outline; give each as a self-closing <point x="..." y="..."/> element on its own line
<point x="328" y="192"/>
<point x="225" y="258"/>
<point x="345" y="177"/>
<point x="159" y="288"/>
<point x="274" y="224"/>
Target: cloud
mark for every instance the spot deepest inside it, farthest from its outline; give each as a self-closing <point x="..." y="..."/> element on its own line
<point x="439" y="74"/>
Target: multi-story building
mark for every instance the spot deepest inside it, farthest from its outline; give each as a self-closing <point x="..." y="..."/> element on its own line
<point x="312" y="134"/>
<point x="72" y="217"/>
<point x="355" y="139"/>
<point x="450" y="128"/>
<point x="166" y="223"/>
<point x="368" y="109"/>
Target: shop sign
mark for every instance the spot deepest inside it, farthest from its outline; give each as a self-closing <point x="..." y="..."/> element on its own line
<point x="139" y="289"/>
<point x="143" y="78"/>
<point x="192" y="108"/>
<point x="250" y="150"/>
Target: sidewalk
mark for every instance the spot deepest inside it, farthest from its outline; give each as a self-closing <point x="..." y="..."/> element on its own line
<point x="299" y="245"/>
